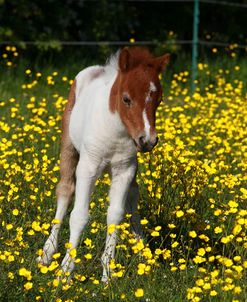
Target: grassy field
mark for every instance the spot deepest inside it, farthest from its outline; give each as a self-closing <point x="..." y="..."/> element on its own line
<point x="192" y="186"/>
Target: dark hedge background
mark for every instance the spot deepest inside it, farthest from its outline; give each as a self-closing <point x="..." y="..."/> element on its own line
<point x="78" y="20"/>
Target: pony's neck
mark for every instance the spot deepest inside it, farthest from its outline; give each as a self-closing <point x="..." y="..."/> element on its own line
<point x="113" y="76"/>
<point x="114" y="95"/>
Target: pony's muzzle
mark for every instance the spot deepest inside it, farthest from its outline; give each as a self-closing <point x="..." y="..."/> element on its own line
<point x="145" y="145"/>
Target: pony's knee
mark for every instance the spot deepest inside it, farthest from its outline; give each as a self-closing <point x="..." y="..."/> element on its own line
<point x="65" y="188"/>
<point x="78" y="219"/>
<point x="114" y="215"/>
<point x="68" y="160"/>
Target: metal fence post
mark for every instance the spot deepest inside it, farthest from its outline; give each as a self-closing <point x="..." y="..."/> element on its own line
<point x="195" y="43"/>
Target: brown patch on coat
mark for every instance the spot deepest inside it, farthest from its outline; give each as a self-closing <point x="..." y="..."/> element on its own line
<point x="67" y="111"/>
<point x="69" y="156"/>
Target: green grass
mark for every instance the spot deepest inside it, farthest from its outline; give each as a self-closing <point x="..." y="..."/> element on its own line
<point x="208" y="133"/>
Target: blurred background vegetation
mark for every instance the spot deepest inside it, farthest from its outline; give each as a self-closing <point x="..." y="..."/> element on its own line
<point x="53" y="21"/>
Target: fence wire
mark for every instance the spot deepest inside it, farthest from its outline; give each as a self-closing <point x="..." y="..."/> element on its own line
<point x="126" y="43"/>
<point x="236" y="4"/>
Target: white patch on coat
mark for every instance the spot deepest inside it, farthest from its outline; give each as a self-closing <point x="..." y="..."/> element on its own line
<point x="146" y="124"/>
<point x="152" y="88"/>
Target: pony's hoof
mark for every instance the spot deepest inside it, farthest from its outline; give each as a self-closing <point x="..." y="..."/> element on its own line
<point x="44" y="260"/>
<point x="105" y="279"/>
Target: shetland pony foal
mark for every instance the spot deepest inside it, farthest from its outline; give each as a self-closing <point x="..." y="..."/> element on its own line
<point x="110" y="115"/>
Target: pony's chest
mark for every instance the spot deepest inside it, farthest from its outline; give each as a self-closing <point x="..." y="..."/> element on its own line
<point x="106" y="147"/>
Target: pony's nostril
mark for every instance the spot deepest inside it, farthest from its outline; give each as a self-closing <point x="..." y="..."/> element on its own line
<point x="142" y="141"/>
<point x="146" y="144"/>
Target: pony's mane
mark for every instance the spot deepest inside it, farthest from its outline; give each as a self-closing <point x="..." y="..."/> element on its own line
<point x="112" y="61"/>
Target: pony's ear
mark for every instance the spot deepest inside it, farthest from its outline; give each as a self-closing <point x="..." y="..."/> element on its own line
<point x="161" y="62"/>
<point x="125" y="60"/>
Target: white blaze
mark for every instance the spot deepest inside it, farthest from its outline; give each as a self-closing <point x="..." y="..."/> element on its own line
<point x="152" y="88"/>
<point x="146" y="124"/>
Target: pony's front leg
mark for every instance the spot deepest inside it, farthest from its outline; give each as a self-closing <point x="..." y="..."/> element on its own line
<point x="121" y="180"/>
<point x="86" y="174"/>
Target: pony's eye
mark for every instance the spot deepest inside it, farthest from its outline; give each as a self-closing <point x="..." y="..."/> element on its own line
<point x="127" y="101"/>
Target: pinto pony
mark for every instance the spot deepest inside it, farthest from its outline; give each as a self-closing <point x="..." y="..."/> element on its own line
<point x="110" y="115"/>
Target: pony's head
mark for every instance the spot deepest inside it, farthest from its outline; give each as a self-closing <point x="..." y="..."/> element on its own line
<point x="136" y="94"/>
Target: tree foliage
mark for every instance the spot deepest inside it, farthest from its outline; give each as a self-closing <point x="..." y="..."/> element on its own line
<point x="80" y="20"/>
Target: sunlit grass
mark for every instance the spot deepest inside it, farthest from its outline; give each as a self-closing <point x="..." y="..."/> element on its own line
<point x="193" y="192"/>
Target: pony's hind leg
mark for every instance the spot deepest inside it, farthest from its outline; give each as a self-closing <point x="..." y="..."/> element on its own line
<point x="132" y="208"/>
<point x="64" y="191"/>
<point x="66" y="186"/>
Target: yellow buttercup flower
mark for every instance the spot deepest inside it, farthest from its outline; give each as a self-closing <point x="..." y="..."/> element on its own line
<point x="192" y="234"/>
<point x="179" y="213"/>
<point x="28" y="285"/>
<point x="139" y="293"/>
<point x="111" y="228"/>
